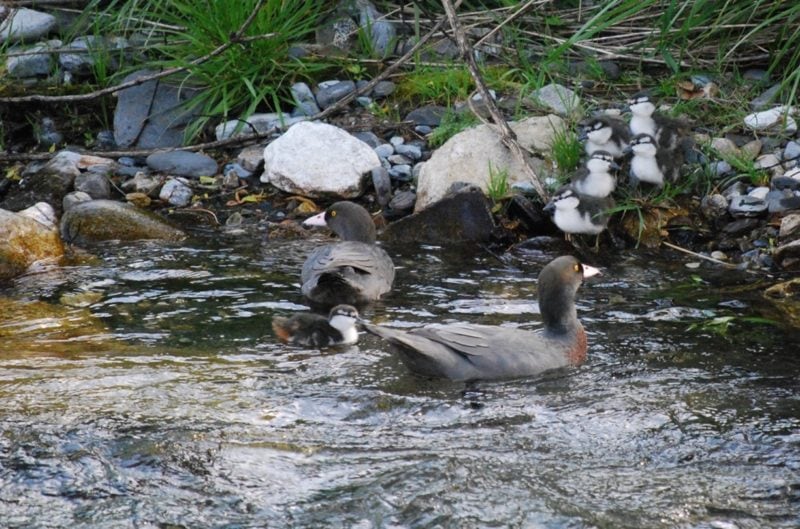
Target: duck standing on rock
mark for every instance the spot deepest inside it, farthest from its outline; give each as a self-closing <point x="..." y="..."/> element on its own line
<point x="354" y="271"/>
<point x="605" y="133"/>
<point x="464" y="351"/>
<point x="575" y="213"/>
<point x="652" y="164"/>
<point x="596" y="179"/>
<point x="339" y="328"/>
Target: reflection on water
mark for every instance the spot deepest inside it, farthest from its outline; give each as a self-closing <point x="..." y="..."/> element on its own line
<point x="144" y="389"/>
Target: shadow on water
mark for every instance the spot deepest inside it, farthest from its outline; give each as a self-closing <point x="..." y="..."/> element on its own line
<point x="144" y="388"/>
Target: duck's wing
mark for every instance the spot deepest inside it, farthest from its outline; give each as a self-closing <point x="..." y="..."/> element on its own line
<point x="362" y="258"/>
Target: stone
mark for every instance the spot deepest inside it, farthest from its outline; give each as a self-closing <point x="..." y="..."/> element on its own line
<point x="721" y="168"/>
<point x="332" y="93"/>
<point x="256" y="123"/>
<point x="383" y="185"/>
<point x="429" y="115"/>
<point x="790" y="227"/>
<point x="153" y="114"/>
<point x="409" y="150"/>
<point x="785" y="182"/>
<point x="76" y="197"/>
<point x="101" y="220"/>
<point x="252" y="158"/>
<point x="382" y="33"/>
<point x="39" y="64"/>
<point x="460" y="217"/>
<point x="402" y="204"/>
<point x="80" y="63"/>
<point x="725" y="147"/>
<point x="384" y="150"/>
<point x="25" y="25"/>
<point x="182" y="163"/>
<point x="400" y="173"/>
<point x="383" y="89"/>
<point x="557" y="98"/>
<point x="791" y="151"/>
<point x="778" y="118"/>
<point x="780" y="201"/>
<point x="471" y="154"/>
<point x="751" y="149"/>
<point x="531" y="217"/>
<point x="759" y="192"/>
<point x="305" y="102"/>
<point x="177" y="192"/>
<point x="747" y="206"/>
<point x="785" y="296"/>
<point x="787" y="256"/>
<point x="741" y="227"/>
<point x="767" y="98"/>
<point x="771" y="162"/>
<point x="713" y="206"/>
<point x="364" y="101"/>
<point x="28" y="237"/>
<point x="93" y="183"/>
<point x="369" y="137"/>
<point x="143" y="183"/>
<point x="316" y="160"/>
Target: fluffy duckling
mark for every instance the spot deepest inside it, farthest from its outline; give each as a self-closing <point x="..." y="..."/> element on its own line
<point x="652" y="164"/>
<point x="605" y="133"/>
<point x="596" y="179"/>
<point x="575" y="213"/>
<point x="339" y="328"/>
<point x="669" y="133"/>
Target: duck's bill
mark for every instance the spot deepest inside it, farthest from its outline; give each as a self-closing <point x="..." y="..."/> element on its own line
<point x="316" y="220"/>
<point x="590" y="271"/>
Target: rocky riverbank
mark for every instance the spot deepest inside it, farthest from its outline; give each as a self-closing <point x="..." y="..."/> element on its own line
<point x="737" y="204"/>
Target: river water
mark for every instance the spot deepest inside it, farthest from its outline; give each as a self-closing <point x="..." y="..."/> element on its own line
<point x="141" y="387"/>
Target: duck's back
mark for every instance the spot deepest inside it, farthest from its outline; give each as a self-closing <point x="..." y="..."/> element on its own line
<point x="468" y="352"/>
<point x="347" y="269"/>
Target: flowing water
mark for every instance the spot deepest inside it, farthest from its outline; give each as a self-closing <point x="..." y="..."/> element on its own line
<point x="142" y="388"/>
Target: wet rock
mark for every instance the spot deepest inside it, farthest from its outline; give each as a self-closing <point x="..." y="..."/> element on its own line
<point x="101" y="220"/>
<point x="153" y="114"/>
<point x="94" y="183"/>
<point x="305" y="103"/>
<point x="25" y="25"/>
<point x="557" y="98"/>
<point x="28" y="236"/>
<point x="531" y="217"/>
<point x="468" y="156"/>
<point x="34" y="65"/>
<point x="459" y="217"/>
<point x="142" y="183"/>
<point x="182" y="163"/>
<point x="785" y="297"/>
<point x="177" y="192"/>
<point x="317" y="159"/>
<point x="430" y="115"/>
<point x="651" y="229"/>
<point x="778" y="118"/>
<point x="740" y="227"/>
<point x="383" y="185"/>
<point x="402" y="204"/>
<point x="330" y="93"/>
<point x="767" y="98"/>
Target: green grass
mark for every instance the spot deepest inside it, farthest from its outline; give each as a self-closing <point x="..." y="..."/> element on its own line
<point x="497" y="187"/>
<point x="567" y="151"/>
<point x="452" y="123"/>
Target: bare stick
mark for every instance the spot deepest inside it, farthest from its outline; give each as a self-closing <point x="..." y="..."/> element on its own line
<point x="502" y="128"/>
<point x="699" y="256"/>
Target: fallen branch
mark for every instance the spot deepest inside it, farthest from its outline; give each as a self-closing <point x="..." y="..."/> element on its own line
<point x="699" y="256"/>
<point x="501" y="127"/>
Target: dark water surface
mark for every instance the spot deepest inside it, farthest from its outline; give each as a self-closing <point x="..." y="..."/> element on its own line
<point x="143" y="389"/>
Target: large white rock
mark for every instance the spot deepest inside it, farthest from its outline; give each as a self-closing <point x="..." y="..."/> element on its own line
<point x="316" y="159"/>
<point x="772" y="119"/>
<point x="467" y="157"/>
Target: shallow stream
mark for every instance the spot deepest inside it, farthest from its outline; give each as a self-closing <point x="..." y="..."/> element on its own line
<point x="142" y="388"/>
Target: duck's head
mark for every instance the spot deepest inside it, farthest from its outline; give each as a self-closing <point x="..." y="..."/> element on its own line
<point x="348" y="220"/>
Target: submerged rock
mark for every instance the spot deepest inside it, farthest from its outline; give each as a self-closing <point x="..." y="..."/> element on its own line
<point x="786" y="298"/>
<point x="101" y="220"/>
<point x="27" y="237"/>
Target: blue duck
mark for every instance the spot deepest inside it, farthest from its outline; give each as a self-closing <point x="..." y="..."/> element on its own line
<point x="464" y="351"/>
<point x="339" y="328"/>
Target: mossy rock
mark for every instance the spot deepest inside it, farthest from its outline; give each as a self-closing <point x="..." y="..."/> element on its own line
<point x="102" y="220"/>
<point x="651" y="228"/>
<point x="25" y="241"/>
<point x="785" y="297"/>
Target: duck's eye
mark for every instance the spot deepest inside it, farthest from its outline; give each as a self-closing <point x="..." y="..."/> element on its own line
<point x="576" y="267"/>
<point x="333" y="213"/>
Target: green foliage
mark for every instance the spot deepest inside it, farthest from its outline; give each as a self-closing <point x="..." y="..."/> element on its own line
<point x="497" y="186"/>
<point x="452" y="123"/>
<point x="248" y="75"/>
<point x="722" y="324"/>
<point x="566" y="151"/>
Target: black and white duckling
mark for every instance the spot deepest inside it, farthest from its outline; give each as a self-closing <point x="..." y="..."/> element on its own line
<point x="339" y="328"/>
<point x="596" y="179"/>
<point x="575" y="213"/>
<point x="605" y="133"/>
<point x="353" y="271"/>
<point x="652" y="164"/>
<point x="669" y="133"/>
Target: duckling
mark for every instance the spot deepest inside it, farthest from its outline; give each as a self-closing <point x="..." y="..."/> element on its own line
<point x="605" y="133"/>
<point x="575" y="213"/>
<point x="339" y="328"/>
<point x="596" y="180"/>
<point x="669" y="133"/>
<point x="653" y="164"/>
